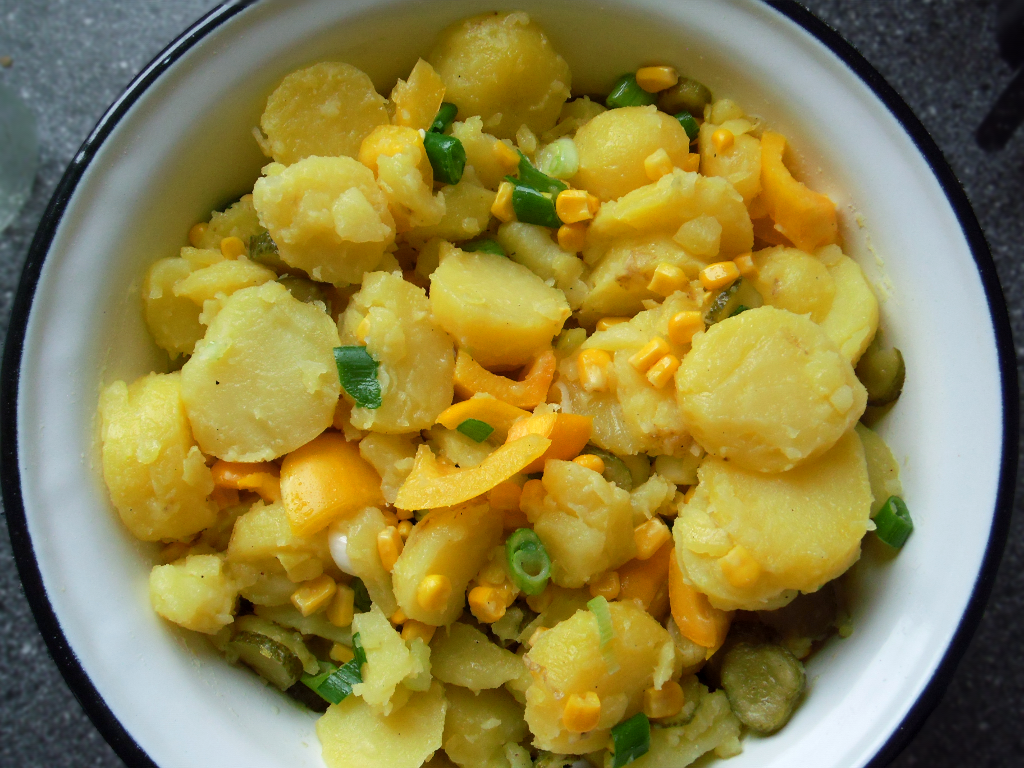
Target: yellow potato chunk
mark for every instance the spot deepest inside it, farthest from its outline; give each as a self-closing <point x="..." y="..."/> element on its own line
<point x="798" y="529"/>
<point x="739" y="164"/>
<point x="479" y="147"/>
<point x="392" y="318"/>
<point x="360" y="534"/>
<point x="478" y="726"/>
<point x="210" y="286"/>
<point x="172" y="320"/>
<point x="467" y="212"/>
<point x="790" y="279"/>
<point x="388" y="661"/>
<point x="853" y="318"/>
<point x="354" y="735"/>
<point x="614" y="144"/>
<point x="264" y="532"/>
<point x="237" y="220"/>
<point x="196" y="593"/>
<point x="326" y="109"/>
<point x="452" y="542"/>
<point x="263" y="380"/>
<point x="463" y="655"/>
<point x="610" y="430"/>
<point x="499" y="311"/>
<point x="767" y="390"/>
<point x="568" y="659"/>
<point x="411" y="197"/>
<point x="392" y="456"/>
<point x="532" y="246"/>
<point x="584" y="521"/>
<point x="502" y="67"/>
<point x="711" y="727"/>
<point x="157" y="477"/>
<point x="883" y="469"/>
<point x="328" y="217"/>
<point x="418" y="99"/>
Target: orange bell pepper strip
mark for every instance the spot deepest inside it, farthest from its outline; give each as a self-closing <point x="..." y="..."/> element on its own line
<point x="262" y="477"/>
<point x="696" y="618"/>
<point x="568" y="433"/>
<point x="640" y="580"/>
<point x="471" y="378"/>
<point x="805" y="217"/>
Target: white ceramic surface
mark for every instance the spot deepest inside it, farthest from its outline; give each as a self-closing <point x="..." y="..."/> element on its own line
<point x="185" y="146"/>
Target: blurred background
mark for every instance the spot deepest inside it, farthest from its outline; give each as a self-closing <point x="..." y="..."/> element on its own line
<point x="68" y="60"/>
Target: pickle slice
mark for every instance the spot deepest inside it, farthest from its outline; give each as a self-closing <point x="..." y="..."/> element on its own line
<point x="271" y="660"/>
<point x="882" y="373"/>
<point x="739" y="296"/>
<point x="764" y="683"/>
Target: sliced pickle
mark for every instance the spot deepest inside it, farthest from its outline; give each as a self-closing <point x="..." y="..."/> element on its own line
<point x="685" y="96"/>
<point x="271" y="660"/>
<point x="305" y="290"/>
<point x="738" y="297"/>
<point x="615" y="469"/>
<point x="882" y="373"/>
<point x="263" y="250"/>
<point x="764" y="683"/>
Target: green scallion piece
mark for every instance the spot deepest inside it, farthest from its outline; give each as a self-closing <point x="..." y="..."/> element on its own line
<point x="335" y="683"/>
<point x="559" y="159"/>
<point x="484" y="245"/>
<point x="689" y="124"/>
<point x="362" y="598"/>
<point x="358" y="374"/>
<point x="445" y="117"/>
<point x="528" y="561"/>
<point x="630" y="740"/>
<point x="626" y="93"/>
<point x="605" y="631"/>
<point x="892" y="523"/>
<point x="739" y="310"/>
<point x="535" y="207"/>
<point x="447" y="157"/>
<point x="534" y="179"/>
<point x="475" y="429"/>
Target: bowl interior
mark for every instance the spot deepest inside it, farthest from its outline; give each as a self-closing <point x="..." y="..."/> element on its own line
<point x="185" y="146"/>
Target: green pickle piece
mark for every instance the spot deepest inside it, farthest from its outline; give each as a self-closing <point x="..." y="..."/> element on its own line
<point x="271" y="660"/>
<point x="737" y="298"/>
<point x="764" y="682"/>
<point x="685" y="96"/>
<point x="882" y="372"/>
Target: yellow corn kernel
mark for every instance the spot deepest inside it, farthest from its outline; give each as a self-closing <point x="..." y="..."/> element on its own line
<point x="722" y="139"/>
<point x="593" y="203"/>
<point x="593" y="366"/>
<point x="232" y="247"/>
<point x="341" y="653"/>
<point x="413" y="629"/>
<point x="502" y="208"/>
<point x="398" y="617"/>
<point x="540" y="603"/>
<point x="314" y="594"/>
<point x="650" y="537"/>
<point x="658" y="164"/>
<point x="572" y="237"/>
<point x="404" y="514"/>
<point x="605" y="585"/>
<point x="196" y="234"/>
<point x="390" y="518"/>
<point x="572" y="206"/>
<point x="667" y="279"/>
<point x="668" y="702"/>
<point x="389" y="547"/>
<point x="649" y="354"/>
<point x="654" y="79"/>
<point x="745" y="264"/>
<point x="590" y="461"/>
<point x="609" y="322"/>
<point x="404" y="529"/>
<point x="684" y="325"/>
<point x="691" y="163"/>
<point x="487" y="604"/>
<point x="719" y="275"/>
<point x="661" y="372"/>
<point x="362" y="329"/>
<point x="582" y="712"/>
<point x="433" y="592"/>
<point x="342" y="607"/>
<point x="505" y="155"/>
<point x="532" y="641"/>
<point x="739" y="567"/>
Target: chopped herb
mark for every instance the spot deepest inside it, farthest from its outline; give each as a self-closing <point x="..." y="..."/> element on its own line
<point x="631" y="739"/>
<point x="528" y="561"/>
<point x="626" y="93"/>
<point x="445" y="117"/>
<point x="358" y="374"/>
<point x="892" y="523"/>
<point x="335" y="684"/>
<point x="483" y="245"/>
<point x="476" y="429"/>
<point x="447" y="157"/>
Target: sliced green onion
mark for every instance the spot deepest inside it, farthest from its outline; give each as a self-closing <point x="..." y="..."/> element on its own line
<point x="475" y="429"/>
<point x="534" y="179"/>
<point x="599" y="607"/>
<point x="362" y="598"/>
<point x="528" y="561"/>
<point x="358" y="374"/>
<point x="447" y="157"/>
<point x="445" y="117"/>
<point x="535" y="207"/>
<point x="739" y="310"/>
<point x="335" y="684"/>
<point x="689" y="124"/>
<point x="485" y="245"/>
<point x="630" y="740"/>
<point x="626" y="93"/>
<point x="892" y="523"/>
<point x="559" y="159"/>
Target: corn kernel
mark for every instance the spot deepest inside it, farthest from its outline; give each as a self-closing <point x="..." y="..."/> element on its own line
<point x="649" y="354"/>
<point x="593" y="367"/>
<point x="502" y="208"/>
<point x="413" y="629"/>
<point x="609" y="322"/>
<point x="404" y="529"/>
<point x="668" y="702"/>
<point x="389" y="547"/>
<point x="650" y="537"/>
<point x="721" y="274"/>
<point x="540" y="603"/>
<point x="572" y="237"/>
<point x="390" y="518"/>
<point x="363" y="329"/>
<point x="404" y="514"/>
<point x="314" y="594"/>
<point x="684" y="325"/>
<point x="341" y="653"/>
<point x="342" y="607"/>
<point x="691" y="163"/>
<point x="571" y="206"/>
<point x="398" y="617"/>
<point x="197" y="233"/>
<point x="505" y="155"/>
<point x="593" y="203"/>
<point x="433" y="592"/>
<point x="505" y="496"/>
<point x="658" y="164"/>
<point x="487" y="604"/>
<point x="739" y="567"/>
<point x="745" y="265"/>
<point x="722" y="139"/>
<point x="590" y="461"/>
<point x="667" y="279"/>
<point x="605" y="585"/>
<point x="654" y="79"/>
<point x="662" y="371"/>
<point x="232" y="247"/>
<point x="581" y="713"/>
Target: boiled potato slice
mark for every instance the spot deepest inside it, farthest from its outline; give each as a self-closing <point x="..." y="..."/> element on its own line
<point x="478" y="726"/>
<point x="749" y="540"/>
<point x="711" y="727"/>
<point x="767" y="390"/>
<point x="172" y="320"/>
<point x="883" y="469"/>
<point x="263" y="380"/>
<point x="392" y="456"/>
<point x="790" y="279"/>
<point x="388" y="660"/>
<point x="264" y="532"/>
<point x="417" y="359"/>
<point x="157" y="477"/>
<point x="467" y="211"/>
<point x="502" y="67"/>
<point x="452" y="542"/>
<point x="610" y="430"/>
<point x="354" y="735"/>
<point x="210" y="286"/>
<point x="196" y="593"/>
<point x="237" y="220"/>
<point x="480" y="152"/>
<point x="568" y="659"/>
<point x="499" y="311"/>
<point x="532" y="246"/>
<point x="418" y="99"/>
<point x="740" y="164"/>
<point x="463" y="655"/>
<point x="853" y="318"/>
<point x="411" y="197"/>
<point x="359" y="533"/>
<point x="326" y="109"/>
<point x="614" y="144"/>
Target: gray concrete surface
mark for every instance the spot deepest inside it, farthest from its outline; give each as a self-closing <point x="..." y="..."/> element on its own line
<point x="71" y="58"/>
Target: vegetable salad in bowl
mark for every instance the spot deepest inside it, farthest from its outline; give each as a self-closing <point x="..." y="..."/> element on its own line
<point x="508" y="428"/>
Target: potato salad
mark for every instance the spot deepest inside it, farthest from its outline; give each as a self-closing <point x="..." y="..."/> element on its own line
<point x="506" y="426"/>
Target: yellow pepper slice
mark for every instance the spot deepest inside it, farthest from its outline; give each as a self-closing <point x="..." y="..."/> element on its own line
<point x="806" y="217"/>
<point x="640" y="580"/>
<point x="261" y="477"/>
<point x="496" y="413"/>
<point x="568" y="433"/>
<point x="471" y="378"/>
<point x="696" y="618"/>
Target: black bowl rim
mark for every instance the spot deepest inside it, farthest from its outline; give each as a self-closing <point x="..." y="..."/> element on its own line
<point x="10" y="477"/>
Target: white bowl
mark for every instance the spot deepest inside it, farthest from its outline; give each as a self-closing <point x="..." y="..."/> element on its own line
<point x="178" y="143"/>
